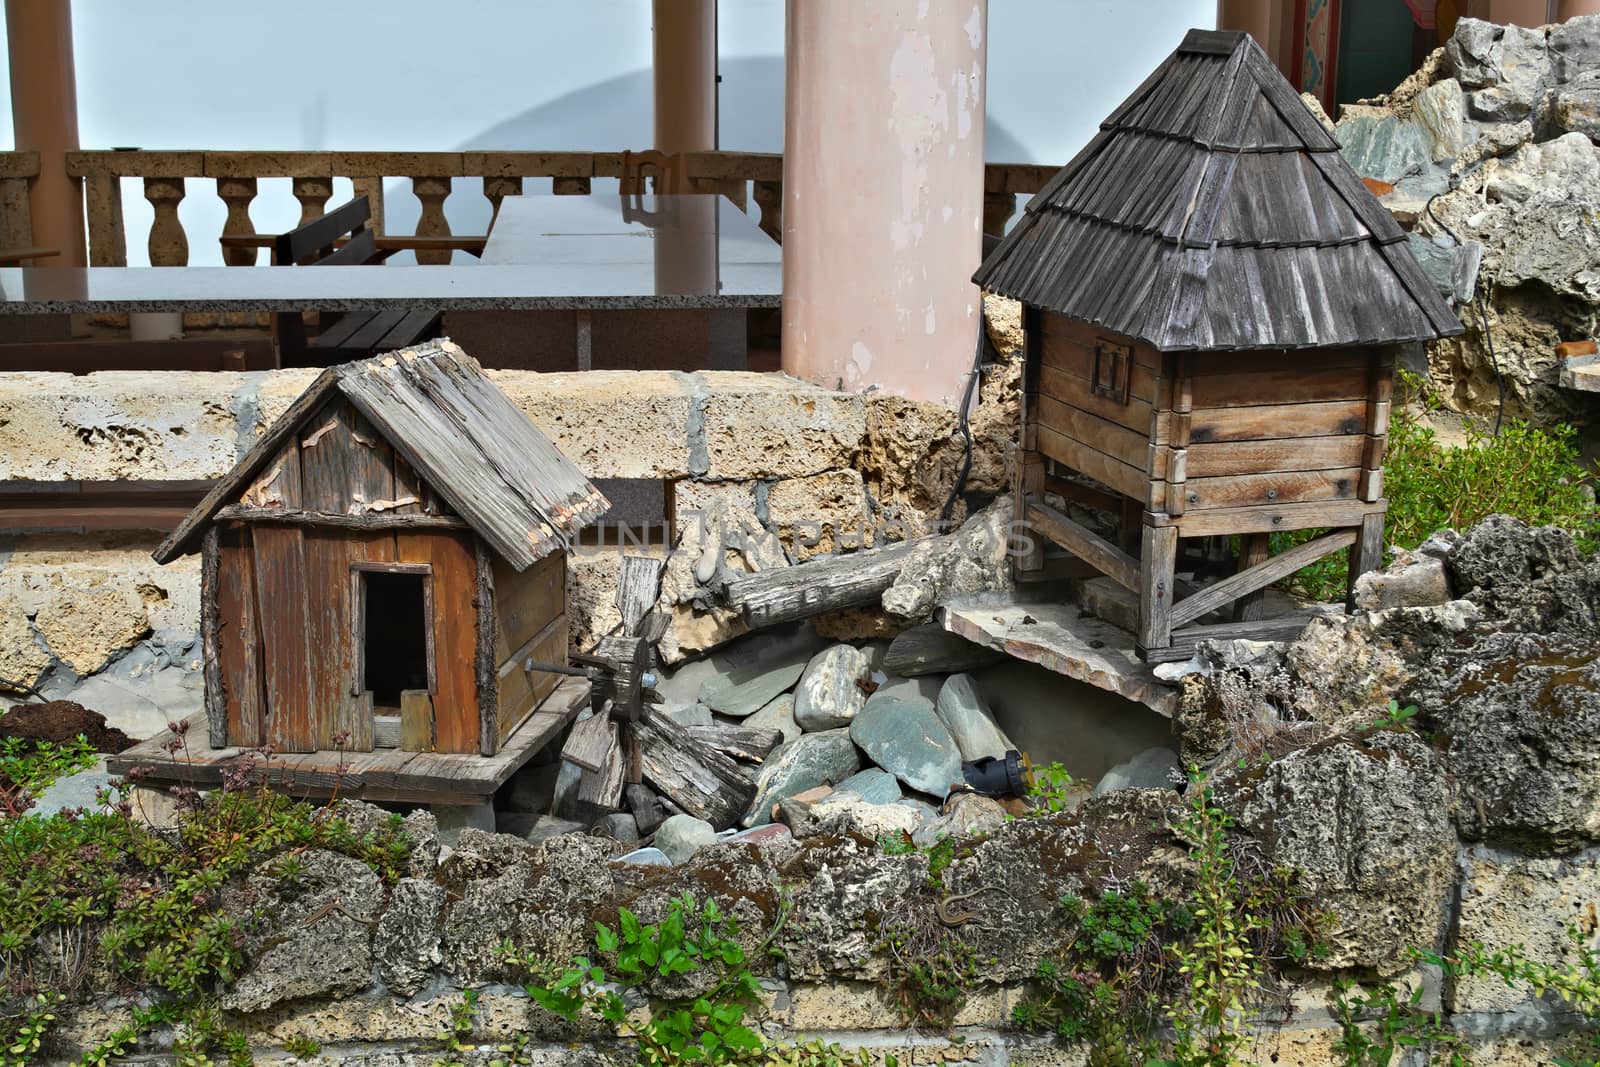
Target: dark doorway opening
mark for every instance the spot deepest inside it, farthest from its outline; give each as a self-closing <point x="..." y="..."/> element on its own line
<point x="395" y="635"/>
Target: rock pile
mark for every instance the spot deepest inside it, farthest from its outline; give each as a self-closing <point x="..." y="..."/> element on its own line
<point x="1491" y="145"/>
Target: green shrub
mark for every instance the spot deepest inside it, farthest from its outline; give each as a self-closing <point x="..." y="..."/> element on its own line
<point x="28" y="768"/>
<point x="1534" y="475"/>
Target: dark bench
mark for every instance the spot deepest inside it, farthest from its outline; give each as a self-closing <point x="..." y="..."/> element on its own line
<point x="343" y="236"/>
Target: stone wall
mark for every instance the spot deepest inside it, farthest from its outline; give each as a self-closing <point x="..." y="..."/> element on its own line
<point x="749" y="456"/>
<point x="1478" y="821"/>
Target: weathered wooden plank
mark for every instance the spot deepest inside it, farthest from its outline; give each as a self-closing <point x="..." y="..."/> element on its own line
<point x="455" y="577"/>
<point x="1135" y="414"/>
<point x="1087" y="546"/>
<point x="358" y="723"/>
<point x="700" y="780"/>
<point x="369" y="521"/>
<point x="1067" y="353"/>
<point x="1279" y="454"/>
<point x="416" y="720"/>
<point x="485" y="637"/>
<point x="1158" y="557"/>
<point x="785" y="594"/>
<point x="284" y="610"/>
<point x="1185" y="641"/>
<point x="1113" y="473"/>
<point x="216" y="699"/>
<point x="1288" y="487"/>
<point x="1287" y="384"/>
<point x="331" y="628"/>
<point x="1319" y="513"/>
<point x="1260" y="576"/>
<point x="1117" y="441"/>
<point x="239" y="639"/>
<point x="604" y="787"/>
<point x="1268" y="421"/>
<point x="589" y="742"/>
<point x="525" y="602"/>
<point x="638" y="586"/>
<point x="520" y="691"/>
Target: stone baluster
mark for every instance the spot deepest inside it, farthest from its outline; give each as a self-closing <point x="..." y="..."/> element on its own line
<point x="108" y="242"/>
<point x="237" y="193"/>
<point x="997" y="211"/>
<point x="313" y="194"/>
<point x="572" y="186"/>
<point x="432" y="222"/>
<point x="497" y="189"/>
<point x="169" y="246"/>
<point x="372" y="188"/>
<point x="769" y="198"/>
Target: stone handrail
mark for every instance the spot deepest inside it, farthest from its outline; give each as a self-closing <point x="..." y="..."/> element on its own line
<point x="741" y="176"/>
<point x="164" y="174"/>
<point x="17" y="171"/>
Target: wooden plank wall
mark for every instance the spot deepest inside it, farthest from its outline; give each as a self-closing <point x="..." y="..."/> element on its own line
<point x="530" y="623"/>
<point x="1104" y="438"/>
<point x="455" y="631"/>
<point x="1274" y="428"/>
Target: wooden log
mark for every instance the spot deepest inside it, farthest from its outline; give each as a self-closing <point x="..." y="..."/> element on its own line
<point x="698" y="779"/>
<point x="747" y="744"/>
<point x="370" y="521"/>
<point x="602" y="785"/>
<point x="1099" y="553"/>
<point x="1259" y="577"/>
<point x="783" y="595"/>
<point x="638" y="585"/>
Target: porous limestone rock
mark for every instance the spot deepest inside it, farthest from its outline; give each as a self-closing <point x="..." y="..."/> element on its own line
<point x="976" y="560"/>
<point x="23" y="657"/>
<point x="1412" y="583"/>
<point x="829" y="693"/>
<point x="406" y="941"/>
<point x="1365" y="822"/>
<point x="821" y="514"/>
<point x="316" y="937"/>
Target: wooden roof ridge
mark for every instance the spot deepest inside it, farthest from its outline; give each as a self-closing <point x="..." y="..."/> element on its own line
<point x="1212" y="175"/>
<point x="458" y="431"/>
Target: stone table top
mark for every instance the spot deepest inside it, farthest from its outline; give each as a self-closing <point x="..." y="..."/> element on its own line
<point x="663" y="241"/>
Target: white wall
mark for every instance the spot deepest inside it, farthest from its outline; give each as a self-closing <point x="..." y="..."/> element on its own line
<point x="414" y="75"/>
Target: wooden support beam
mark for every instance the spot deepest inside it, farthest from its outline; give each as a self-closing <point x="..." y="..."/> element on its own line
<point x="1366" y="553"/>
<point x="1099" y="553"/>
<point x="1254" y="550"/>
<point x="372" y="520"/>
<point x="1158" y="560"/>
<point x="1184" y="642"/>
<point x="1259" y="577"/>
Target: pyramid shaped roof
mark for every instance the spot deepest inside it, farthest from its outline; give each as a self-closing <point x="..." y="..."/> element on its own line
<point x="1212" y="211"/>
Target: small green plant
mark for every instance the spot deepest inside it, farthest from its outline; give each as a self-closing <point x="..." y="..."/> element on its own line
<point x="709" y="1028"/>
<point x="932" y="972"/>
<point x="1050" y="789"/>
<point x="23" y="1035"/>
<point x="1396" y="1024"/>
<point x="302" y="1047"/>
<point x="1395" y="717"/>
<point x="456" y="1034"/>
<point x="28" y="768"/>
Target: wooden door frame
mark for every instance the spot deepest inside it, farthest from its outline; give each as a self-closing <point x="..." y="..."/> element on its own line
<point x="358" y="617"/>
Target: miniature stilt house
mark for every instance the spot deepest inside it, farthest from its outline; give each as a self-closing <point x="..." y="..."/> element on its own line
<point x="1212" y="304"/>
<point x="385" y="563"/>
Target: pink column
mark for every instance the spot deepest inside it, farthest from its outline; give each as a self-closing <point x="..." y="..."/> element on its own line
<point x="1567" y="9"/>
<point x="684" y="74"/>
<point x="44" y="113"/>
<point x="883" y="193"/>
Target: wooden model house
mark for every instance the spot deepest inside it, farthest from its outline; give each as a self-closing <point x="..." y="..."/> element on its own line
<point x="1212" y="304"/>
<point x="387" y="564"/>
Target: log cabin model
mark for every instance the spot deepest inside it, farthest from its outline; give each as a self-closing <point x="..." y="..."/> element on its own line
<point x="384" y="582"/>
<point x="1212" y="306"/>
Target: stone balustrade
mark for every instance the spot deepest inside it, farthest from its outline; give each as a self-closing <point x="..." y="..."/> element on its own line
<point x="746" y="178"/>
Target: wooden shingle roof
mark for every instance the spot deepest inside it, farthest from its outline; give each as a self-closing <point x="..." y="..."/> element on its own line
<point x="459" y="432"/>
<point x="1212" y="211"/>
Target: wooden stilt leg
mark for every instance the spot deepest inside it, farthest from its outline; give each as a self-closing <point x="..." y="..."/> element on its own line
<point x="1157" y="560"/>
<point x="1366" y="554"/>
<point x="1253" y="549"/>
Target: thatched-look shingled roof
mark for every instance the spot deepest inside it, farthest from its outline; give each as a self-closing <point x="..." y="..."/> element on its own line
<point x="459" y="432"/>
<point x="1212" y="211"/>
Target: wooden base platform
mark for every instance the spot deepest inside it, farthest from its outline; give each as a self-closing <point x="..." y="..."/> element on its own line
<point x="381" y="775"/>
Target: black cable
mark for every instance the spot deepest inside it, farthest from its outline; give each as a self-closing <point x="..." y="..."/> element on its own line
<point x="19" y="687"/>
<point x="1483" y="317"/>
<point x="966" y="428"/>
